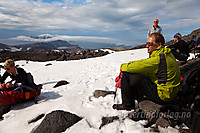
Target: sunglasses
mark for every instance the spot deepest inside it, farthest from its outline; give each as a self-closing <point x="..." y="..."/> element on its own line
<point x="155" y="21"/>
<point x="7" y="69"/>
<point x="149" y="43"/>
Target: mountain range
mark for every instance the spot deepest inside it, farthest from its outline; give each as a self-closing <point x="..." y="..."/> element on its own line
<point x="84" y="42"/>
<point x="4" y="46"/>
<point x="47" y="41"/>
<point x="58" y="44"/>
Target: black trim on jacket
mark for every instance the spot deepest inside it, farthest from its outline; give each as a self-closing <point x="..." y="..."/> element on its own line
<point x="162" y="70"/>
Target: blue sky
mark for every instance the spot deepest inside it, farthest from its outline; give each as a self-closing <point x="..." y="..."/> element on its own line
<point x="124" y="21"/>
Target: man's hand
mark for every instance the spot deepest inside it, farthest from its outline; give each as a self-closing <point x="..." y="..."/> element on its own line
<point x="8" y="85"/>
<point x="2" y="86"/>
<point x="197" y="46"/>
<point x="118" y="80"/>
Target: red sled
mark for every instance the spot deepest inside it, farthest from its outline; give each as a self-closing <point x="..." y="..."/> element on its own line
<point x="19" y="95"/>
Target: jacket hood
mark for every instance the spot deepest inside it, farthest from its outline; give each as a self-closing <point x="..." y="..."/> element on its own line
<point x="160" y="50"/>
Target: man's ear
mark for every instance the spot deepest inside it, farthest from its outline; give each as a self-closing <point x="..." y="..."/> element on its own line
<point x="160" y="43"/>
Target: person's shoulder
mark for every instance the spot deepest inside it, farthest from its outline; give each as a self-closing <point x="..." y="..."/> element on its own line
<point x="6" y="73"/>
<point x="159" y="27"/>
<point x="182" y="41"/>
<point x="19" y="69"/>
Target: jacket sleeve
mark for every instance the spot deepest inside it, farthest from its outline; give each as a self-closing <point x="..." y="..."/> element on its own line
<point x="3" y="78"/>
<point x="144" y="66"/>
<point x="175" y="46"/>
<point x="22" y="76"/>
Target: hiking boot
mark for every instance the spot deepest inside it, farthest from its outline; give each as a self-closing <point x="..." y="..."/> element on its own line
<point x="121" y="107"/>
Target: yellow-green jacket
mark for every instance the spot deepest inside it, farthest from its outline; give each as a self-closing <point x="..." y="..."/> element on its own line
<point x="162" y="69"/>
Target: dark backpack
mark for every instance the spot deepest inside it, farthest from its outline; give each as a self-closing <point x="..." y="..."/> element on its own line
<point x="190" y="96"/>
<point x="190" y="86"/>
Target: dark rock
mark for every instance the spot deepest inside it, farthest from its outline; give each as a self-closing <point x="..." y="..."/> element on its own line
<point x="57" y="122"/>
<point x="98" y="93"/>
<point x="107" y="120"/>
<point x="36" y="118"/>
<point x="162" y="122"/>
<point x="181" y="130"/>
<point x="48" y="55"/>
<point x="154" y="113"/>
<point x="62" y="82"/>
<point x="149" y="106"/>
<point x="62" y="58"/>
<point x="48" y="64"/>
<point x="3" y="110"/>
<point x="154" y="129"/>
<point x="188" y="65"/>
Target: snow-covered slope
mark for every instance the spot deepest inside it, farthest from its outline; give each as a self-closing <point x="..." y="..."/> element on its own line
<point x="85" y="76"/>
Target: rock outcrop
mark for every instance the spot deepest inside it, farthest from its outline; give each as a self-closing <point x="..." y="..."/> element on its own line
<point x="56" y="122"/>
<point x="49" y="55"/>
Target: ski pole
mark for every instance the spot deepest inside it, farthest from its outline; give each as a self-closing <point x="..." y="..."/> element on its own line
<point x="115" y="93"/>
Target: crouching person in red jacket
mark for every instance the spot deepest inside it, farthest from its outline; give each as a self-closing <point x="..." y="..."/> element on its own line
<point x="18" y="75"/>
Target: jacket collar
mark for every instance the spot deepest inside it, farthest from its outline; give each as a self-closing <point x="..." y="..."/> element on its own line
<point x="159" y="50"/>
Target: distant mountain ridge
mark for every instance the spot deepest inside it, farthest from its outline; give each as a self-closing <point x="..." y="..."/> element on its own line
<point x="98" y="45"/>
<point x="58" y="44"/>
<point x="43" y="36"/>
<point x="4" y="46"/>
<point x="79" y="45"/>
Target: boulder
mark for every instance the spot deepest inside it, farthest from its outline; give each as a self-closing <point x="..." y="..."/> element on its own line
<point x="62" y="82"/>
<point x="107" y="120"/>
<point x="3" y="110"/>
<point x="56" y="122"/>
<point x="98" y="93"/>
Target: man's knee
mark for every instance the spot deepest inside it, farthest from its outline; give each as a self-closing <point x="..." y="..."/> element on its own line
<point x="133" y="78"/>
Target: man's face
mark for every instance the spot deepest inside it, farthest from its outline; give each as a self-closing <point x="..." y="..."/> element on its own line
<point x="9" y="69"/>
<point x="175" y="39"/>
<point x="155" y="22"/>
<point x="151" y="45"/>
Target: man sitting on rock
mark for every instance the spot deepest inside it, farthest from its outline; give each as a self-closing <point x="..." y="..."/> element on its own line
<point x="156" y="78"/>
<point x="16" y="74"/>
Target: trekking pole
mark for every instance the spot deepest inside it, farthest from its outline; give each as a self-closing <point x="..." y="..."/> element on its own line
<point x="115" y="93"/>
<point x="194" y="52"/>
